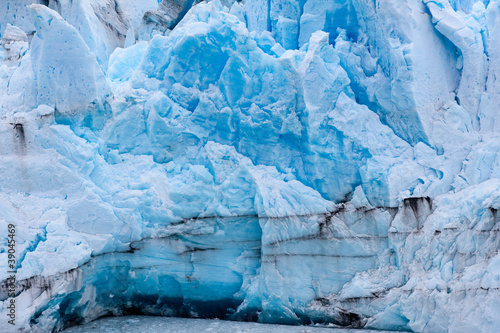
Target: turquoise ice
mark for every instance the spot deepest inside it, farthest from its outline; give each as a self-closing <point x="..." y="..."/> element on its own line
<point x="287" y="162"/>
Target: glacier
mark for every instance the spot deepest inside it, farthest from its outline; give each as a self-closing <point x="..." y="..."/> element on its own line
<point x="285" y="162"/>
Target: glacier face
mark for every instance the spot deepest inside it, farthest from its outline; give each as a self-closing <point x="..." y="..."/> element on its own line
<point x="282" y="161"/>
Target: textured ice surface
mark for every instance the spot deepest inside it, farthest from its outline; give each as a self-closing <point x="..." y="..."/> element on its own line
<point x="287" y="162"/>
<point x="132" y="324"/>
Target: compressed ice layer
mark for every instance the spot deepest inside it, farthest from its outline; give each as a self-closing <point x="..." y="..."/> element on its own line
<point x="285" y="162"/>
<point x="362" y="262"/>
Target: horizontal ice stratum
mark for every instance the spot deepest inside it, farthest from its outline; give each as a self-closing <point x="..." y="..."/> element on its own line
<point x="279" y="161"/>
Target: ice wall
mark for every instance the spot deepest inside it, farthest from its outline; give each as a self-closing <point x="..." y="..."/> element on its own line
<point x="274" y="161"/>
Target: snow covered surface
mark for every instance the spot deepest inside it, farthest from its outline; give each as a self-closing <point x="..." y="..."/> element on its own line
<point x="274" y="161"/>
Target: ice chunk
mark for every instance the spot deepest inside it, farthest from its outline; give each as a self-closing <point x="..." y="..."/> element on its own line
<point x="15" y="43"/>
<point x="66" y="72"/>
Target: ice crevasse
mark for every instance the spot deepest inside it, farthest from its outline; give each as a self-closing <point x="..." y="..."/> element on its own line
<point x="287" y="162"/>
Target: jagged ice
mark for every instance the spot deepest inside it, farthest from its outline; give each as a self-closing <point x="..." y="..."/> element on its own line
<point x="282" y="161"/>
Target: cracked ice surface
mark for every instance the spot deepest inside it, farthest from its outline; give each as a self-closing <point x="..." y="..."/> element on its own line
<point x="286" y="162"/>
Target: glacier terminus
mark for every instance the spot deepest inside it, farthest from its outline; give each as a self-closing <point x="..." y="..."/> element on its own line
<point x="287" y="162"/>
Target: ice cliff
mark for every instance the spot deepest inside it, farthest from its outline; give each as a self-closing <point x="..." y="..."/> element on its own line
<point x="265" y="160"/>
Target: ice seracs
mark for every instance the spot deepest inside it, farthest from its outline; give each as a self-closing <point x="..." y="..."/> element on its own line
<point x="66" y="74"/>
<point x="284" y="162"/>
